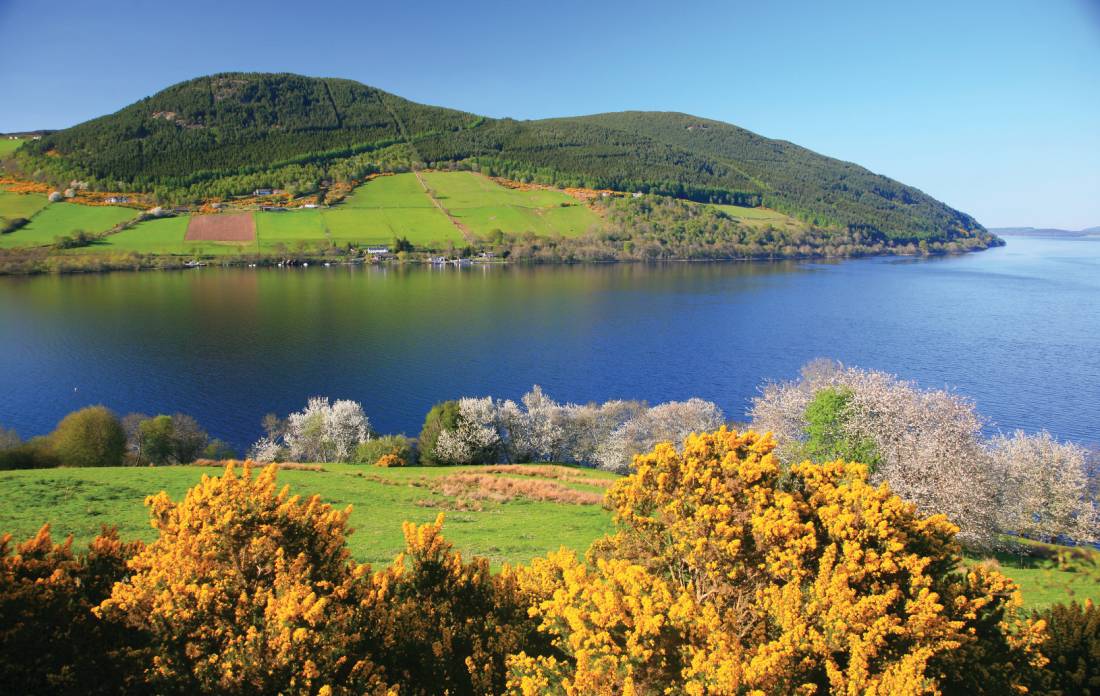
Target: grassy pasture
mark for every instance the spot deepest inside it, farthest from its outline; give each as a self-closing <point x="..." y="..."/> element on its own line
<point x="8" y="146"/>
<point x="760" y="217"/>
<point x="78" y="501"/>
<point x="161" y="236"/>
<point x="20" y="205"/>
<point x="484" y="205"/>
<point x="63" y="219"/>
<point x="395" y="191"/>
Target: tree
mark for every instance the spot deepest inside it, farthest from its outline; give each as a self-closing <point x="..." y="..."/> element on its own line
<point x="1046" y="492"/>
<point x="670" y="422"/>
<point x="326" y="432"/>
<point x="442" y="416"/>
<point x="394" y="448"/>
<point x="927" y="444"/>
<point x="828" y="432"/>
<point x="730" y="574"/>
<point x="475" y="437"/>
<point x="92" y="436"/>
<point x="247" y="589"/>
<point x="156" y="438"/>
<point x="1073" y="648"/>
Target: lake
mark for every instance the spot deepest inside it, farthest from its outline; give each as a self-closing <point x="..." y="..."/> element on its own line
<point x="1016" y="328"/>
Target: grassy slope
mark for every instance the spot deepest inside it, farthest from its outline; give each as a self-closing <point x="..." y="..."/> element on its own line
<point x="483" y="205"/>
<point x="8" y="146"/>
<point x="20" y="205"/>
<point x="161" y="236"/>
<point x="761" y="218"/>
<point x="62" y="219"/>
<point x="78" y="501"/>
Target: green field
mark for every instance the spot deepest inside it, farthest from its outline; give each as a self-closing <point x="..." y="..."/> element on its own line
<point x="761" y="217"/>
<point x="78" y="501"/>
<point x="483" y="206"/>
<point x="375" y="213"/>
<point x="160" y="236"/>
<point x="8" y="146"/>
<point x="63" y="219"/>
<point x="20" y="205"/>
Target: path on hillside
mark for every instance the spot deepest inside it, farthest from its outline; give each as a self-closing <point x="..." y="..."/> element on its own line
<point x="467" y="233"/>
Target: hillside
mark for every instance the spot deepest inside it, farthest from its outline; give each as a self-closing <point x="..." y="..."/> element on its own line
<point x="1044" y="231"/>
<point x="229" y="133"/>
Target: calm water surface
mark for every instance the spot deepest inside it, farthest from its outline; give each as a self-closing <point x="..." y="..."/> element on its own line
<point x="1017" y="329"/>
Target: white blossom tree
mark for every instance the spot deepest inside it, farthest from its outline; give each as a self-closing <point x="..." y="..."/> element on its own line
<point x="326" y="432"/>
<point x="1046" y="494"/>
<point x="929" y="442"/>
<point x="475" y="439"/>
<point x="670" y="422"/>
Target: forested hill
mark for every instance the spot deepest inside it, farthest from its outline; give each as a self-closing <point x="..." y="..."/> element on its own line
<point x="226" y="133"/>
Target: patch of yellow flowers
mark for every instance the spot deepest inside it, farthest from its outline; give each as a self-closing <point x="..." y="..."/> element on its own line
<point x="730" y="575"/>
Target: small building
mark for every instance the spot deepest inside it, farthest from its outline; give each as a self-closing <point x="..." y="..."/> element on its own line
<point x="378" y="250"/>
<point x="262" y="192"/>
<point x="637" y="194"/>
<point x="310" y="205"/>
<point x="273" y="208"/>
<point x="118" y="199"/>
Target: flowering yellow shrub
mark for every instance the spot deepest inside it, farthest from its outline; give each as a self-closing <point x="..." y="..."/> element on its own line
<point x="49" y="640"/>
<point x="729" y="575"/>
<point x="247" y="590"/>
<point x="440" y="625"/>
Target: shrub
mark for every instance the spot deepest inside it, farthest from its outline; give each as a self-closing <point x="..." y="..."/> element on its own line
<point x="729" y="574"/>
<point x="445" y="626"/>
<point x="50" y="642"/>
<point x="92" y="436"/>
<point x="218" y="450"/>
<point x="395" y="448"/>
<point x="246" y="590"/>
<point x="442" y="416"/>
<point x="36" y="453"/>
<point x="1073" y="648"/>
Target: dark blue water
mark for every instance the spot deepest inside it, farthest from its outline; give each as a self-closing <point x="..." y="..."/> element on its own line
<point x="1017" y="329"/>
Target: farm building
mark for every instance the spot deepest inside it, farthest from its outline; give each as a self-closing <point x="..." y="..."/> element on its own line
<point x="262" y="192"/>
<point x="378" y="250"/>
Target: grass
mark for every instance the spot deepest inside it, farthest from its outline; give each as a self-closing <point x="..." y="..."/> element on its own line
<point x="761" y="218"/>
<point x="484" y="205"/>
<point x="9" y="146"/>
<point x="20" y="205"/>
<point x="506" y="514"/>
<point x="164" y="236"/>
<point x="375" y="213"/>
<point x="77" y="501"/>
<point x="63" y="219"/>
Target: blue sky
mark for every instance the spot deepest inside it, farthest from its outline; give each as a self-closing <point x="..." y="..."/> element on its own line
<point x="992" y="107"/>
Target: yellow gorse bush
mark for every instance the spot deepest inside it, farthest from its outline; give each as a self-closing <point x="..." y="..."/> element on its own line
<point x="730" y="575"/>
<point x="247" y="590"/>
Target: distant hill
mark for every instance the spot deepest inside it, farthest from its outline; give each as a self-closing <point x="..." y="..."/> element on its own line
<point x="227" y="133"/>
<point x="1043" y="232"/>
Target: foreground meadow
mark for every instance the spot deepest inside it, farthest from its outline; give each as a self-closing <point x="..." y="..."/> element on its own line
<point x="483" y="517"/>
<point x="505" y="514"/>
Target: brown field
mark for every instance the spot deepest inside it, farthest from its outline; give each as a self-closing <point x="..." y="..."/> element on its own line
<point x="236" y="227"/>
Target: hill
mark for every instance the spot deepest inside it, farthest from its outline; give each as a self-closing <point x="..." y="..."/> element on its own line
<point x="1044" y="231"/>
<point x="229" y="133"/>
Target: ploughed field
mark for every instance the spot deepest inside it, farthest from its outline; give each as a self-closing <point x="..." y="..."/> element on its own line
<point x="508" y="514"/>
<point x="433" y="211"/>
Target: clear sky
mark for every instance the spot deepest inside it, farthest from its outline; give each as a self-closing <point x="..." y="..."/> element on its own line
<point x="992" y="106"/>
